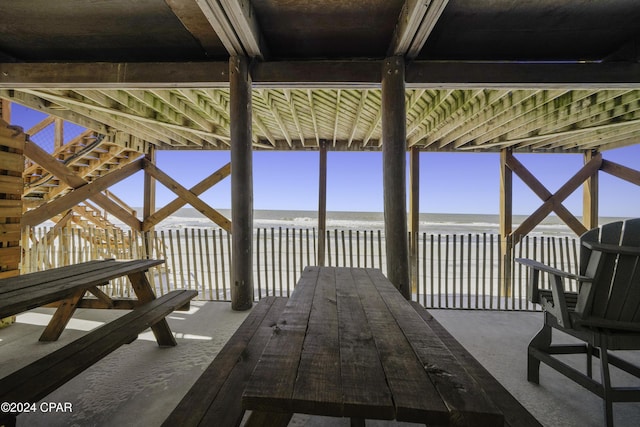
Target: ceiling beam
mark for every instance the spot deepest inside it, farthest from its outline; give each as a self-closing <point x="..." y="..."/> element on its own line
<point x="37" y="103"/>
<point x="114" y="75"/>
<point x="416" y="21"/>
<point x="322" y="74"/>
<point x="196" y="23"/>
<point x="244" y="21"/>
<point x="236" y="25"/>
<point x="522" y="75"/>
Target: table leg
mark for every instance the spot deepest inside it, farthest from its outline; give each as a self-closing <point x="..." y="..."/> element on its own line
<point x="268" y="419"/>
<point x="357" y="422"/>
<point x="62" y="316"/>
<point x="144" y="292"/>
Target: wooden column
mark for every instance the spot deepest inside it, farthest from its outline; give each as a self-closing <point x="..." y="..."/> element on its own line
<point x="58" y="138"/>
<point x="322" y="204"/>
<point x="5" y="110"/>
<point x="394" y="173"/>
<point x="241" y="184"/>
<point x="506" y="222"/>
<point x="149" y="199"/>
<point x="414" y="214"/>
<point x="590" y="195"/>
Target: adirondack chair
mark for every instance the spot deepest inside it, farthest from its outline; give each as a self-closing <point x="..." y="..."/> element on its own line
<point x="604" y="313"/>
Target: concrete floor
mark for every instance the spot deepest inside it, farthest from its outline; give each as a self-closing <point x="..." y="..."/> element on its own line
<point x="139" y="384"/>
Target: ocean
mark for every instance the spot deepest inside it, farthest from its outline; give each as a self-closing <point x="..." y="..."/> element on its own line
<point x="430" y="223"/>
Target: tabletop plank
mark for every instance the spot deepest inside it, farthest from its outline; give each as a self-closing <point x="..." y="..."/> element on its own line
<point x="415" y="397"/>
<point x="468" y="404"/>
<point x="273" y="380"/>
<point x="25" y="281"/>
<point x="91" y="272"/>
<point x="515" y="414"/>
<point x="31" y="294"/>
<point x="349" y="345"/>
<point x="366" y="393"/>
<point x="318" y="387"/>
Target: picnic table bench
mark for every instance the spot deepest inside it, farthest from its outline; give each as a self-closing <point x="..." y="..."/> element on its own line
<point x="346" y="344"/>
<point x="69" y="285"/>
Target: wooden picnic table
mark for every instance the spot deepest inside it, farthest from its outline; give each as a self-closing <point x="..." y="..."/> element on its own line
<point x="69" y="284"/>
<point x="348" y="344"/>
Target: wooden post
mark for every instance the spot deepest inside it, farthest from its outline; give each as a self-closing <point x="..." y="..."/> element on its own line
<point x="149" y="200"/>
<point x="322" y="204"/>
<point x="241" y="184"/>
<point x="590" y="195"/>
<point x="506" y="221"/>
<point x="394" y="173"/>
<point x="5" y="110"/>
<point x="58" y="138"/>
<point x="414" y="214"/>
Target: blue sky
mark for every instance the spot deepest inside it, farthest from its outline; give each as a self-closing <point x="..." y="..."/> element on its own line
<point x="449" y="182"/>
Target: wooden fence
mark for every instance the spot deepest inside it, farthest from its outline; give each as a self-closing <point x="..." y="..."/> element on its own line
<point x="454" y="270"/>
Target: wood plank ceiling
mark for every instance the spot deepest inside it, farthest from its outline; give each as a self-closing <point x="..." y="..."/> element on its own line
<point x="557" y="120"/>
<point x="58" y="69"/>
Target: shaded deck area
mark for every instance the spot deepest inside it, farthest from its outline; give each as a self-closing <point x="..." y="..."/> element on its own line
<point x="143" y="383"/>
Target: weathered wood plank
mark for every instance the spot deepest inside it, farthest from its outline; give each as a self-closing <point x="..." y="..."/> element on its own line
<point x="90" y="272"/>
<point x="415" y="397"/>
<point x="8" y="138"/>
<point x="9" y="273"/>
<point x="11" y="184"/>
<point x="11" y="208"/>
<point x="11" y="162"/>
<point x="31" y="279"/>
<point x="227" y="408"/>
<point x="365" y="390"/>
<point x="282" y="354"/>
<point x="515" y="414"/>
<point x="464" y="398"/>
<point x="318" y="387"/>
<point x="50" y="289"/>
<point x="113" y="304"/>
<point x="215" y="396"/>
<point x="10" y="257"/>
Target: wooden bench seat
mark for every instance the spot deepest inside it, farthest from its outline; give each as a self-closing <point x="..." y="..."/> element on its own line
<point x="215" y="398"/>
<point x="36" y="380"/>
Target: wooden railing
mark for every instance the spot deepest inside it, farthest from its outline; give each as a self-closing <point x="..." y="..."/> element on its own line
<point x="454" y="270"/>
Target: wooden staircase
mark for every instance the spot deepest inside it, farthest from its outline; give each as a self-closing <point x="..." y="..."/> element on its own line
<point x="88" y="155"/>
